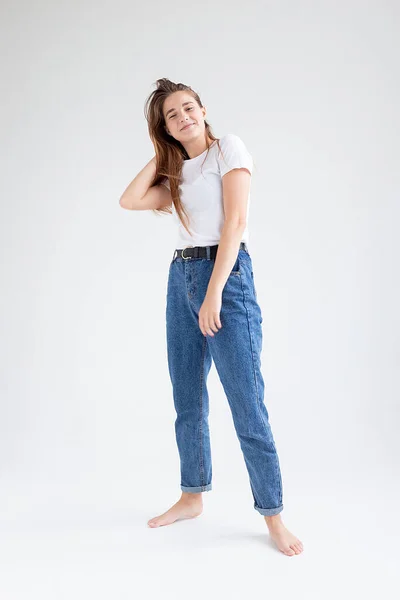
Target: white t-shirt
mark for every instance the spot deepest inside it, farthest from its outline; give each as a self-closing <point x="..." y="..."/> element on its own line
<point x="201" y="191"/>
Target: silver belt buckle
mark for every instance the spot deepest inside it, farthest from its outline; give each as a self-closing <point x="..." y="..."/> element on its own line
<point x="186" y="257"/>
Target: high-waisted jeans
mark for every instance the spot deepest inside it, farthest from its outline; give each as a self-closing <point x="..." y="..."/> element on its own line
<point x="235" y="350"/>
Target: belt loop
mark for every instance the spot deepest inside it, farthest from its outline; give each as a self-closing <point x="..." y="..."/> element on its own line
<point x="208" y="249"/>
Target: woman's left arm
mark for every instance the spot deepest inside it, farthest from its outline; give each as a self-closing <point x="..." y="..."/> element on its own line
<point x="236" y="187"/>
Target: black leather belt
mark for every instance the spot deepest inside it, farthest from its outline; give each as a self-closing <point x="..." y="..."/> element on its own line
<point x="201" y="251"/>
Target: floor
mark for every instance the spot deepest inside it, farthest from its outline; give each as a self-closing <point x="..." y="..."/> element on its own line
<point x="83" y="542"/>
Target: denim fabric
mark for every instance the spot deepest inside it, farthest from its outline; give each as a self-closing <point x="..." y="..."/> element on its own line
<point x="235" y="350"/>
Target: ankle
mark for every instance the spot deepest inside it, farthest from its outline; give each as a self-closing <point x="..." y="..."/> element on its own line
<point x="191" y="497"/>
<point x="274" y="520"/>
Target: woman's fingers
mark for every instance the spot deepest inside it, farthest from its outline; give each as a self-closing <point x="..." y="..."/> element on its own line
<point x="210" y="326"/>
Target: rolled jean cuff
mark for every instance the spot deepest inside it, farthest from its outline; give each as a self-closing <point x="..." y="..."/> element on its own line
<point x="194" y="490"/>
<point x="269" y="512"/>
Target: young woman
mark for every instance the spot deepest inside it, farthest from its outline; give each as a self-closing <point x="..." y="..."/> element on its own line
<point x="212" y="311"/>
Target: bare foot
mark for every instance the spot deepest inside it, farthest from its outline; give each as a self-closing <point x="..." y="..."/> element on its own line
<point x="188" y="506"/>
<point x="285" y="541"/>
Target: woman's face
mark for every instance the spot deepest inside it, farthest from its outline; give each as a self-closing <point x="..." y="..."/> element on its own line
<point x="181" y="109"/>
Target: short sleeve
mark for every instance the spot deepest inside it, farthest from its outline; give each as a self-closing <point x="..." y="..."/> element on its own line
<point x="166" y="183"/>
<point x="234" y="154"/>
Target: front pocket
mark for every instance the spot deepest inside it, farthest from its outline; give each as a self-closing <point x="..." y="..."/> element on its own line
<point x="236" y="268"/>
<point x="254" y="285"/>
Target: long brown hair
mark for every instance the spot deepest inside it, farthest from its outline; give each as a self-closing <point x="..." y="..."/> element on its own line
<point x="170" y="153"/>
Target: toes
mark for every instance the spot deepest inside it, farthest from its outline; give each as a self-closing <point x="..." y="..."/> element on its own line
<point x="297" y="548"/>
<point x="291" y="550"/>
<point x="152" y="523"/>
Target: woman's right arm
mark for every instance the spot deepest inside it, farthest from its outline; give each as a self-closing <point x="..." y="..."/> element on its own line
<point x="140" y="196"/>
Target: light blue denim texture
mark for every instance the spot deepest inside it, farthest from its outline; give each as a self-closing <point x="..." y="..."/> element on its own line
<point x="235" y="350"/>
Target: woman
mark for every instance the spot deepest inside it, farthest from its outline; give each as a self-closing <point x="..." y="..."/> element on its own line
<point x="212" y="311"/>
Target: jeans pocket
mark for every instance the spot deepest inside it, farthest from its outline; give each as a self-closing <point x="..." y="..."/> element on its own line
<point x="253" y="283"/>
<point x="236" y="268"/>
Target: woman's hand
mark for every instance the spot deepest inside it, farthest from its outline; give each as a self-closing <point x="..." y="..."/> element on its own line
<point x="209" y="313"/>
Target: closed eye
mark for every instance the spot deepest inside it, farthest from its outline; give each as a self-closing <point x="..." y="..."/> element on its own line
<point x="189" y="108"/>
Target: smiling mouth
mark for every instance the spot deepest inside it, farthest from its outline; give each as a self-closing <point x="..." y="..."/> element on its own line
<point x="187" y="126"/>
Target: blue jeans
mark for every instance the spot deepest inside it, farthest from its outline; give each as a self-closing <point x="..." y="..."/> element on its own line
<point x="235" y="350"/>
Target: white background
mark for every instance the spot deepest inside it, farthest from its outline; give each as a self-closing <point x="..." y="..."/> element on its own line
<point x="88" y="451"/>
